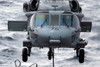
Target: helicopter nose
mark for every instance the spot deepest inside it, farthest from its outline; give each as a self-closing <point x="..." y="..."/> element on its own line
<point x="48" y="35"/>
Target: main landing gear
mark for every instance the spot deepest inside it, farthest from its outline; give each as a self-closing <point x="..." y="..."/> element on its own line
<point x="25" y="53"/>
<point x="80" y="53"/>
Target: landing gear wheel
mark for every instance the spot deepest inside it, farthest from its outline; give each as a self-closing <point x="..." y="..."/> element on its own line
<point x="49" y="55"/>
<point x="81" y="55"/>
<point x="25" y="54"/>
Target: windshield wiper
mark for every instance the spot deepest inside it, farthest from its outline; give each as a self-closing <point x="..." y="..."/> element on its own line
<point x="44" y="22"/>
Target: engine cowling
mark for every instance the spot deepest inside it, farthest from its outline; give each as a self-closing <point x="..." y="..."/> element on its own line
<point x="75" y="7"/>
<point x="34" y="5"/>
<point x="31" y="6"/>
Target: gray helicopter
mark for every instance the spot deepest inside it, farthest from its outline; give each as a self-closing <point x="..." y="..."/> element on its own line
<point x="52" y="25"/>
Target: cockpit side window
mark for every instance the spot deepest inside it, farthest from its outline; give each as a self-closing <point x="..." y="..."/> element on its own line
<point x="41" y="20"/>
<point x="67" y="20"/>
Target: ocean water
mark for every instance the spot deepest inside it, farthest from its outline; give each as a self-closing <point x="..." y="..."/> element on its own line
<point x="11" y="42"/>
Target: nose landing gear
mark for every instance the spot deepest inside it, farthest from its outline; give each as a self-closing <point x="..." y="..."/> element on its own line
<point x="50" y="54"/>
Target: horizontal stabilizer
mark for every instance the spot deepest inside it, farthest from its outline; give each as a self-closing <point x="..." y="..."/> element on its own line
<point x="86" y="26"/>
<point x="17" y="25"/>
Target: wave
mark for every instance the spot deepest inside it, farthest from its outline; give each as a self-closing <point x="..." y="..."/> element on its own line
<point x="96" y="38"/>
<point x="2" y="2"/>
<point x="9" y="50"/>
<point x="5" y="3"/>
<point x="6" y="38"/>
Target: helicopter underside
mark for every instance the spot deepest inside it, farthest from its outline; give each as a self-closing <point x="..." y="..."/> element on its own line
<point x="78" y="47"/>
<point x="80" y="44"/>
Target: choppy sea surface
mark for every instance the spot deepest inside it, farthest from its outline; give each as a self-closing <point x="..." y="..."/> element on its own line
<point x="11" y="42"/>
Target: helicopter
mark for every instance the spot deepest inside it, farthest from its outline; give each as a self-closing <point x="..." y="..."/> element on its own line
<point x="53" y="25"/>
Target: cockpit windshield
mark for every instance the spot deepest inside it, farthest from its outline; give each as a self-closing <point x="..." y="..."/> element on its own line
<point x="41" y="20"/>
<point x="67" y="20"/>
<point x="55" y="20"/>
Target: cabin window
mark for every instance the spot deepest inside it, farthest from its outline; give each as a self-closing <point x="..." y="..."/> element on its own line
<point x="67" y="20"/>
<point x="41" y="20"/>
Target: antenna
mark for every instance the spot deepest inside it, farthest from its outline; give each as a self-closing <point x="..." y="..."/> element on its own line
<point x="55" y="6"/>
